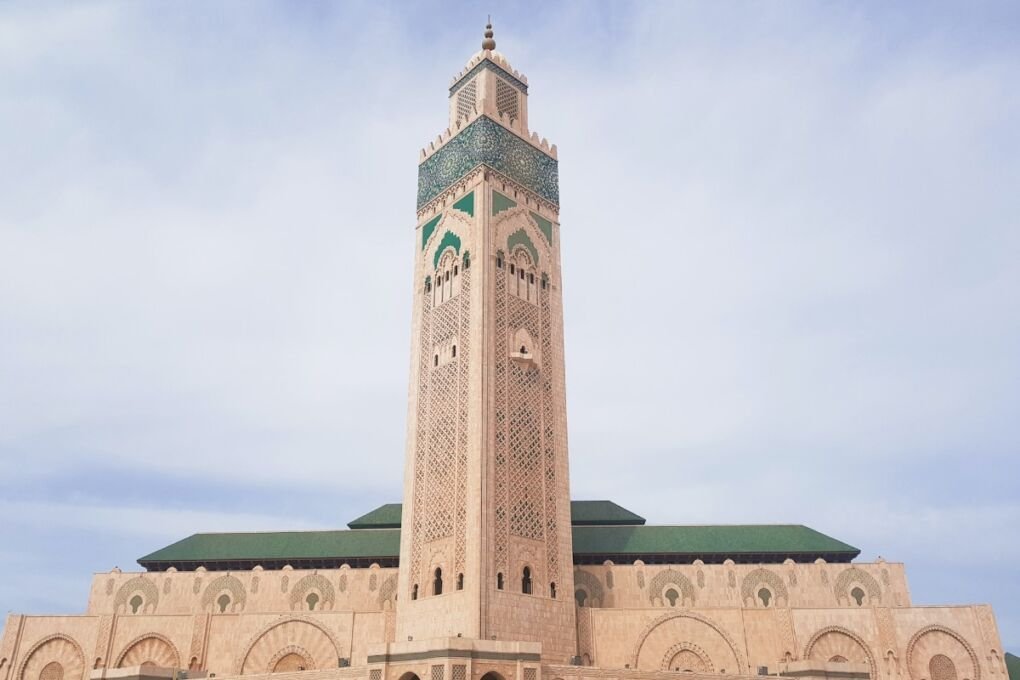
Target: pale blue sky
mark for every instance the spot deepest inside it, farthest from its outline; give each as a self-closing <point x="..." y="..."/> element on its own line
<point x="790" y="251"/>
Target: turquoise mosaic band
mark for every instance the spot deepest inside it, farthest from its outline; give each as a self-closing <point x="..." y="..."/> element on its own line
<point x="486" y="142"/>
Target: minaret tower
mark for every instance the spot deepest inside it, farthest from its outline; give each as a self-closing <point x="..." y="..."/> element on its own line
<point x="485" y="550"/>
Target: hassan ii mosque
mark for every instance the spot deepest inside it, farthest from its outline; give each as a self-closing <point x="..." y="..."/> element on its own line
<point x="488" y="570"/>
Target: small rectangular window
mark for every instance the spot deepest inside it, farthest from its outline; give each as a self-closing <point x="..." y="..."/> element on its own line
<point x="511" y="269"/>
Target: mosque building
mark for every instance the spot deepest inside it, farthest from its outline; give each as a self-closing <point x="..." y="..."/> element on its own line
<point x="488" y="570"/>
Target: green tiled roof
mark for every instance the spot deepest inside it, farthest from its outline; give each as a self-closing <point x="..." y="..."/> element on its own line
<point x="277" y="546"/>
<point x="1013" y="666"/>
<point x="737" y="541"/>
<point x="384" y="517"/>
<point x="601" y="513"/>
<point x="592" y="544"/>
<point x="582" y="513"/>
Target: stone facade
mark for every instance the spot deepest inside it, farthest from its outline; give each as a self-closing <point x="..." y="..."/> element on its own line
<point x="487" y="586"/>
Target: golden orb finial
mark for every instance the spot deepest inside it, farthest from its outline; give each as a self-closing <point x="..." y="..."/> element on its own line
<point x="489" y="43"/>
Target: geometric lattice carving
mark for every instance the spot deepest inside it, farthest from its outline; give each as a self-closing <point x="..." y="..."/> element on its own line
<point x="440" y="472"/>
<point x="459" y="672"/>
<point x="290" y="659"/>
<point x="530" y="673"/>
<point x="933" y="640"/>
<point x="660" y="584"/>
<point x="466" y="98"/>
<point x="507" y="99"/>
<point x="61" y="651"/>
<point x="751" y="584"/>
<point x="855" y="576"/>
<point x="52" y="671"/>
<point x="137" y="586"/>
<point x="231" y="586"/>
<point x="590" y="583"/>
<point x="387" y="591"/>
<point x="942" y="667"/>
<point x="151" y="649"/>
<point x="310" y="643"/>
<point x="312" y="583"/>
<point x="838" y="643"/>
<point x="437" y="672"/>
<point x="687" y="657"/>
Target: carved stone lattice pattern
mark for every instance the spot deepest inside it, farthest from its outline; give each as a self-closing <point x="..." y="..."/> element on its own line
<point x="530" y="673"/>
<point x="290" y="659"/>
<point x="466" y="98"/>
<point x="464" y="338"/>
<point x="387" y="591"/>
<point x="936" y="639"/>
<point x="836" y="641"/>
<point x="524" y="430"/>
<point x="196" y="587"/>
<point x="151" y="649"/>
<point x="670" y="577"/>
<point x="343" y="583"/>
<point x="440" y="477"/>
<point x="437" y="672"/>
<point x="584" y="637"/>
<point x="886" y="631"/>
<point x="313" y="583"/>
<point x="103" y="639"/>
<point x="302" y="637"/>
<point x="54" y="649"/>
<point x="199" y="626"/>
<point x="854" y="575"/>
<point x="942" y="667"/>
<point x="787" y="633"/>
<point x="459" y="671"/>
<point x="687" y="657"/>
<point x="507" y="100"/>
<point x="549" y="440"/>
<point x="166" y="586"/>
<point x="590" y="583"/>
<point x="139" y="585"/>
<point x="232" y="586"/>
<point x="375" y="674"/>
<point x="501" y="465"/>
<point x="754" y="580"/>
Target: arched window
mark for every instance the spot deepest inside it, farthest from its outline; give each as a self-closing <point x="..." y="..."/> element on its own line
<point x="499" y="581"/>
<point x="838" y="659"/>
<point x="467" y="260"/>
<point x="672" y="596"/>
<point x="223" y="601"/>
<point x="456" y="270"/>
<point x="435" y="360"/>
<point x="552" y="590"/>
<point x="858" y="596"/>
<point x="512" y="269"/>
<point x="312" y="600"/>
<point x="460" y="581"/>
<point x="453" y="352"/>
<point x="765" y="595"/>
<point x="499" y="259"/>
<point x="428" y="284"/>
<point x="942" y="667"/>
<point x="136" y="603"/>
<point x="52" y="671"/>
<point x="526" y="581"/>
<point x="437" y="582"/>
<point x="581" y="597"/>
<point x="414" y="592"/>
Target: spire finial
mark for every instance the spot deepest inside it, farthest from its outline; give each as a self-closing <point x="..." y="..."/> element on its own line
<point x="488" y="43"/>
